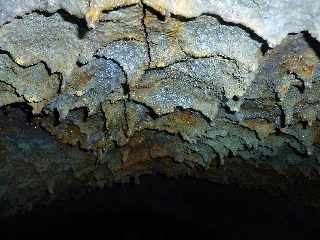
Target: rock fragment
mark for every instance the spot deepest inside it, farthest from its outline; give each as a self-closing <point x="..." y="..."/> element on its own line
<point x="122" y="24"/>
<point x="197" y="84"/>
<point x="132" y="56"/>
<point x="207" y="36"/>
<point x="98" y="6"/>
<point x="163" y="40"/>
<point x="90" y="86"/>
<point x="10" y="9"/>
<point x="33" y="84"/>
<point x="37" y="38"/>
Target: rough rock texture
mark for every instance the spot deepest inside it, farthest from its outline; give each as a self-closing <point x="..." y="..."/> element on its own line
<point x="270" y="19"/>
<point x="91" y="85"/>
<point x="30" y="41"/>
<point x="33" y="84"/>
<point x="113" y="89"/>
<point x="92" y="9"/>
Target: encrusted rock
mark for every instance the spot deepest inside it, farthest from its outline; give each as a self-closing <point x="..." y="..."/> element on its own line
<point x="120" y="90"/>
<point x="90" y="86"/>
<point x="33" y="84"/>
<point x="197" y="84"/>
<point x="270" y="19"/>
<point x="37" y="38"/>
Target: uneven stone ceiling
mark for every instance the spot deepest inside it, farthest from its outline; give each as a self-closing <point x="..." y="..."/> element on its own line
<point x="272" y="20"/>
<point x="124" y="83"/>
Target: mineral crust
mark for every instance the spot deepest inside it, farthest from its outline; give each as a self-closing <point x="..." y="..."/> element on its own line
<point x="113" y="89"/>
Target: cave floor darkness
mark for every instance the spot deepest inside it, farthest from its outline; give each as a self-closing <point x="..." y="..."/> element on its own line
<point x="167" y="208"/>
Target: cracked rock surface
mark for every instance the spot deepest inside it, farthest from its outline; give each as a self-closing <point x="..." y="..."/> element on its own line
<point x="107" y="89"/>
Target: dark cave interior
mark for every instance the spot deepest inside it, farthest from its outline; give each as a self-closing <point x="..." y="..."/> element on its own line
<point x="158" y="207"/>
<point x="167" y="208"/>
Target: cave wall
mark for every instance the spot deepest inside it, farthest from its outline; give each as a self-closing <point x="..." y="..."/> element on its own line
<point x="115" y="89"/>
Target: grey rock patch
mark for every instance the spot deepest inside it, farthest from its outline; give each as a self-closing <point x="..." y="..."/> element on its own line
<point x="270" y="19"/>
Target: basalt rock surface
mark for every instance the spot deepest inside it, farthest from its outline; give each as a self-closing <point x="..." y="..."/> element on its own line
<point x="93" y="92"/>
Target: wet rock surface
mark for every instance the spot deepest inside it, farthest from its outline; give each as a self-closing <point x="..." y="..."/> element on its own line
<point x="115" y="89"/>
